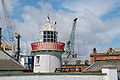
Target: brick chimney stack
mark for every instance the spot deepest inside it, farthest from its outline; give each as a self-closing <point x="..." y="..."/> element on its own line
<point x="94" y="51"/>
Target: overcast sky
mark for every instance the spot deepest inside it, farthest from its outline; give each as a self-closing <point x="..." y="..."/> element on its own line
<point x="98" y="22"/>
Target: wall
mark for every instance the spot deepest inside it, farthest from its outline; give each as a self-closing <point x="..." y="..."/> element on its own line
<point x="82" y="67"/>
<point x="54" y="77"/>
<point x="111" y="73"/>
<point x="104" y="56"/>
<point x="48" y="62"/>
<point x="107" y="74"/>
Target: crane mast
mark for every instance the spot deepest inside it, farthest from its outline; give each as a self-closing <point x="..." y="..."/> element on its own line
<point x="71" y="42"/>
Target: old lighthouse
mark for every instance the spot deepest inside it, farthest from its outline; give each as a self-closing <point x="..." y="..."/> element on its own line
<point x="47" y="51"/>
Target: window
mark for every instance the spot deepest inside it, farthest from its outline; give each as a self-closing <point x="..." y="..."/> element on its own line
<point x="50" y="36"/>
<point x="48" y="32"/>
<point x="44" y="39"/>
<point x="44" y="36"/>
<point x="44" y="32"/>
<point x="78" y="62"/>
<point x="52" y="40"/>
<point x="37" y="59"/>
<point x="25" y="60"/>
<point x="65" y="62"/>
<point x="51" y="32"/>
<point x="48" y="39"/>
<point x="86" y="62"/>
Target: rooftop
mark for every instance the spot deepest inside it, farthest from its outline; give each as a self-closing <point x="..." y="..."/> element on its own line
<point x="97" y="66"/>
<point x="8" y="63"/>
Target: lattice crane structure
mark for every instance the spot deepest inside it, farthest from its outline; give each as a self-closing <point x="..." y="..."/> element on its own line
<point x="12" y="35"/>
<point x="8" y="22"/>
<point x="70" y="44"/>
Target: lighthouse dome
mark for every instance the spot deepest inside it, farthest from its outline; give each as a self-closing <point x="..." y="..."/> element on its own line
<point x="48" y="26"/>
<point x="48" y="32"/>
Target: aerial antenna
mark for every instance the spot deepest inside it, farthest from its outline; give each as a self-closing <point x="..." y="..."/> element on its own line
<point x="48" y="19"/>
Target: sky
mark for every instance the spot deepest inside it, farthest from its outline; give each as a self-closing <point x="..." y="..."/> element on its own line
<point x="98" y="24"/>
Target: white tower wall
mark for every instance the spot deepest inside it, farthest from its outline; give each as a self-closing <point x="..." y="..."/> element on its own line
<point x="47" y="63"/>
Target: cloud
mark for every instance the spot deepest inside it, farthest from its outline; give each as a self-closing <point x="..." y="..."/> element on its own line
<point x="91" y="30"/>
<point x="114" y="25"/>
<point x="98" y="7"/>
<point x="89" y="24"/>
<point x="10" y="4"/>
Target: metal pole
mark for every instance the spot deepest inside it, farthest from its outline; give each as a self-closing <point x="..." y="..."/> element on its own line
<point x="18" y="46"/>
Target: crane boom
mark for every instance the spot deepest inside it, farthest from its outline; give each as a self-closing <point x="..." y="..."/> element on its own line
<point x="10" y="27"/>
<point x="72" y="36"/>
<point x="8" y="21"/>
<point x="71" y="42"/>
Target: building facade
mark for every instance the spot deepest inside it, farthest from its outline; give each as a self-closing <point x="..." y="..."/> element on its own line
<point x="79" y="62"/>
<point x="111" y="54"/>
<point x="27" y="61"/>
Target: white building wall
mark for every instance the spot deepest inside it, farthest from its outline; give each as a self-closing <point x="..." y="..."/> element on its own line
<point x="109" y="74"/>
<point x="53" y="77"/>
<point x="47" y="63"/>
<point x="22" y="61"/>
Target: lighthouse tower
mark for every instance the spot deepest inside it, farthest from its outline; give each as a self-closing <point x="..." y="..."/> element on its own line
<point x="47" y="52"/>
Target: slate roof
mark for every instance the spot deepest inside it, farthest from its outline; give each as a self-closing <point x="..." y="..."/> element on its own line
<point x="97" y="66"/>
<point x="72" y="61"/>
<point x="8" y="63"/>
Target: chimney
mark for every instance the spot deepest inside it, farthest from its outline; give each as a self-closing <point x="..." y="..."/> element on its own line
<point x="94" y="51"/>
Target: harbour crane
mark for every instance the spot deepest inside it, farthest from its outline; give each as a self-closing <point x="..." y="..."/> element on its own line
<point x="70" y="44"/>
<point x="13" y="37"/>
<point x="8" y="22"/>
